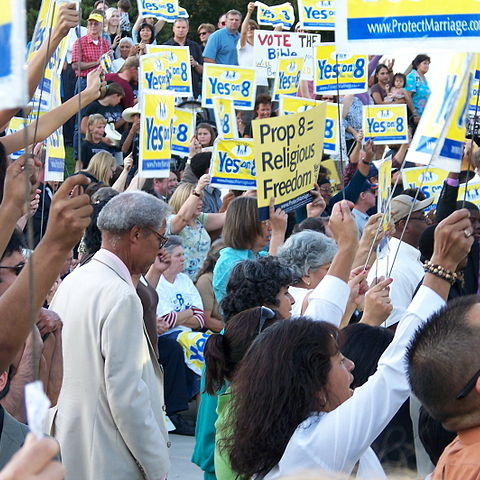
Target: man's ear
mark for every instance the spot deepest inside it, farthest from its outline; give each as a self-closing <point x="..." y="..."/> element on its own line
<point x="3" y="380"/>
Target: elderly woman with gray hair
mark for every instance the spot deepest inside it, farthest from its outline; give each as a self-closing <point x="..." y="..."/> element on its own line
<point x="309" y="255"/>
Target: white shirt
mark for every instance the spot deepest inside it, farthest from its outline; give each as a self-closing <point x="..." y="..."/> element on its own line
<point x="407" y="273"/>
<point x="336" y="440"/>
<point x="246" y="58"/>
<point x="177" y="296"/>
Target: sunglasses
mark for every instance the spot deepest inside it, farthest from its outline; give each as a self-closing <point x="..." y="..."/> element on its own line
<point x="265" y="314"/>
<point x="468" y="387"/>
<point x="16" y="268"/>
<point x="202" y="33"/>
<point x="162" y="240"/>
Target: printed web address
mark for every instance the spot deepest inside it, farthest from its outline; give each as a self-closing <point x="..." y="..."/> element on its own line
<point x="417" y="27"/>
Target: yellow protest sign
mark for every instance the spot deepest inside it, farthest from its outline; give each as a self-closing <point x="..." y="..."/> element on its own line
<point x="386" y="124"/>
<point x="428" y="179"/>
<point x="317" y="14"/>
<point x="382" y="24"/>
<point x="183" y="129"/>
<point x="288" y="75"/>
<point x="288" y="105"/>
<point x="288" y="152"/>
<point x="384" y="191"/>
<point x="225" y="117"/>
<point x="472" y="195"/>
<point x="338" y="72"/>
<point x="157" y="111"/>
<point x="166" y="67"/>
<point x="229" y="81"/>
<point x="441" y="131"/>
<point x="335" y="181"/>
<point x="16" y="124"/>
<point x="162" y="9"/>
<point x="474" y="104"/>
<point x="233" y="164"/>
<point x="275" y="15"/>
<point x="13" y="79"/>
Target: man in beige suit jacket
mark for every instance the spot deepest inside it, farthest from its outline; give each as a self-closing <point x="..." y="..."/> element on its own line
<point x="110" y="415"/>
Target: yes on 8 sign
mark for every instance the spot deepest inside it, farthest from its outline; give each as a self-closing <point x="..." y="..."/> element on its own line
<point x="225" y="117"/>
<point x="161" y="9"/>
<point x="157" y="111"/>
<point x="338" y="72"/>
<point x="229" y="81"/>
<point x="166" y="67"/>
<point x="183" y="129"/>
<point x="385" y="123"/>
<point x="317" y="14"/>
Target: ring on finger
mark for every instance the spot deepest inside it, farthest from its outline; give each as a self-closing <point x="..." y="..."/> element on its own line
<point x="467" y="233"/>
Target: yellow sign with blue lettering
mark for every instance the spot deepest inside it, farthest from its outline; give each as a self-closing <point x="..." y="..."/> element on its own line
<point x="317" y="14"/>
<point x="276" y="15"/>
<point x="288" y="151"/>
<point x="339" y="73"/>
<point x="385" y="124"/>
<point x="441" y="131"/>
<point x="162" y="9"/>
<point x="288" y="105"/>
<point x="183" y="129"/>
<point x="472" y="194"/>
<point x="166" y="67"/>
<point x="233" y="164"/>
<point x="288" y="75"/>
<point x="229" y="81"/>
<point x="428" y="179"/>
<point x="225" y="117"/>
<point x="157" y="112"/>
<point x="384" y="191"/>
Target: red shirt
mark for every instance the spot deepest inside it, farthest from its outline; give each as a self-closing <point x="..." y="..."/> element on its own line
<point x="128" y="99"/>
<point x="90" y="52"/>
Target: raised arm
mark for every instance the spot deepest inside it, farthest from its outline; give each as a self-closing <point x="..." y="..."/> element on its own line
<point x="51" y="121"/>
<point x="69" y="216"/>
<point x="244" y="29"/>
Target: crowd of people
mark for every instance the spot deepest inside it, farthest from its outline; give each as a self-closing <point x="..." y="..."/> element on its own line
<point x="317" y="342"/>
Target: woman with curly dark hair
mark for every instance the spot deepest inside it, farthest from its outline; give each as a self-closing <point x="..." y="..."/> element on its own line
<point x="292" y="407"/>
<point x="253" y="283"/>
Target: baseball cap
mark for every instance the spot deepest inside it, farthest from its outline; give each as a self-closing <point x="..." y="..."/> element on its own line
<point x="402" y="204"/>
<point x="95" y="17"/>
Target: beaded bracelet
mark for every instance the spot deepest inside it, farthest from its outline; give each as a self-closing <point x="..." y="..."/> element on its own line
<point x="440" y="272"/>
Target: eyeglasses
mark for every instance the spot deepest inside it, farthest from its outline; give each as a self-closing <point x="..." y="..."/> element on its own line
<point x="265" y="314"/>
<point x="162" y="240"/>
<point x="202" y="33"/>
<point x="16" y="268"/>
<point x="468" y="387"/>
<point x="423" y="218"/>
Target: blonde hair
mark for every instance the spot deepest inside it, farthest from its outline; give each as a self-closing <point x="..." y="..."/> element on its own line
<point x="108" y="15"/>
<point x="92" y="120"/>
<point x="179" y="197"/>
<point x="101" y="165"/>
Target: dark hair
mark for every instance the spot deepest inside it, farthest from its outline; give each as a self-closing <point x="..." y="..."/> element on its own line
<point x="207" y="126"/>
<point x="254" y="283"/>
<point x="468" y="205"/>
<point x="151" y="28"/>
<point x="311" y="223"/>
<point x="114" y="89"/>
<point x="442" y="357"/>
<point x="242" y="225"/>
<point x="15" y="244"/>
<point x="262" y="99"/>
<point x="295" y="356"/>
<point x="224" y="352"/>
<point x="377" y="69"/>
<point x="364" y="345"/>
<point x="412" y="192"/>
<point x="433" y="436"/>
<point x="124" y="4"/>
<point x="200" y="162"/>
<point x="400" y="75"/>
<point x="419" y="59"/>
<point x="92" y="238"/>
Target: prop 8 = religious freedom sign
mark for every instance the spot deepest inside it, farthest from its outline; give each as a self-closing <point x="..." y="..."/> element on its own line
<point x="288" y="151"/>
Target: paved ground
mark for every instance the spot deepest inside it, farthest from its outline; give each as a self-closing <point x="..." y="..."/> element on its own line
<point x="180" y="454"/>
